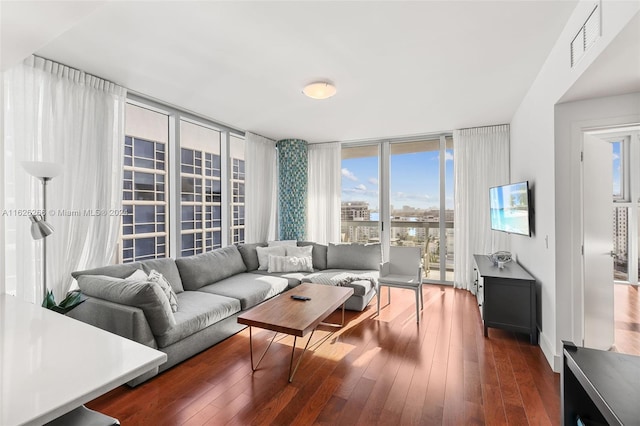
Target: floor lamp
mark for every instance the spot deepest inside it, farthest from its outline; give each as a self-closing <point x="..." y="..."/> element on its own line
<point x="40" y="228"/>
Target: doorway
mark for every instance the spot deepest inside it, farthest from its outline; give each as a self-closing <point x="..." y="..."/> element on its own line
<point x="611" y="217"/>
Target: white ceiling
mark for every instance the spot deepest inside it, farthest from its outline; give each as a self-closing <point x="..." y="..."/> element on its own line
<point x="401" y="68"/>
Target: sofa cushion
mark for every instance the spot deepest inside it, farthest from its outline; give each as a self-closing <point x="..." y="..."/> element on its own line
<point x="345" y="278"/>
<point x="250" y="289"/>
<point x="282" y="243"/>
<point x="117" y="271"/>
<point x="250" y="255"/>
<point x="198" y="310"/>
<point x="290" y="264"/>
<point x="354" y="256"/>
<point x="208" y="268"/>
<point x="294" y="278"/>
<point x="318" y="254"/>
<point x="264" y="252"/>
<point x="145" y="295"/>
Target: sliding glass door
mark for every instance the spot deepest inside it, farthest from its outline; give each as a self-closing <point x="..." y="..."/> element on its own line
<point x="400" y="193"/>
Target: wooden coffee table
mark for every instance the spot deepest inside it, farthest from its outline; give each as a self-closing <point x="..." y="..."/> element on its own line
<point x="297" y="318"/>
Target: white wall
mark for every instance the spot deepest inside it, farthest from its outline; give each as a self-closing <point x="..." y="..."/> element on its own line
<point x="2" y="168"/>
<point x="533" y="158"/>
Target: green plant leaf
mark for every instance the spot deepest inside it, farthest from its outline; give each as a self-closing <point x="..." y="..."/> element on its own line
<point x="49" y="301"/>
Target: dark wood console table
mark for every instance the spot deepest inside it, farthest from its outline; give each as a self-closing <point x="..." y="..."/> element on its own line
<point x="506" y="297"/>
<point x="600" y="387"/>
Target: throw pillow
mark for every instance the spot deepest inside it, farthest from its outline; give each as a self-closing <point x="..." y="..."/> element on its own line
<point x="290" y="264"/>
<point x="138" y="275"/>
<point x="263" y="255"/>
<point x="282" y="243"/>
<point x="299" y="251"/>
<point x="156" y="277"/>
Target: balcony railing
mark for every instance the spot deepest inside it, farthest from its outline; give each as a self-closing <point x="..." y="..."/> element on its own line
<point x="425" y="234"/>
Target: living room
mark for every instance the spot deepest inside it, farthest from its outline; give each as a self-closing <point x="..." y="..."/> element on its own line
<point x="404" y="73"/>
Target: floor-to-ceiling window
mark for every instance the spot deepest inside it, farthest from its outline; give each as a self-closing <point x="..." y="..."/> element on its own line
<point x="236" y="148"/>
<point x="360" y="212"/>
<point x="183" y="183"/>
<point x="401" y="193"/>
<point x="200" y="188"/>
<point x="144" y="228"/>
<point x="421" y="202"/>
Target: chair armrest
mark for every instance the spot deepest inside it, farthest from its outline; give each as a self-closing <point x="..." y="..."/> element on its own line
<point x="420" y="273"/>
<point x="384" y="269"/>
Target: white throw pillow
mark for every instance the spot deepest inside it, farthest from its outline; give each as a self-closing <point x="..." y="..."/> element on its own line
<point x="290" y="264"/>
<point x="296" y="251"/>
<point x="263" y="255"/>
<point x="156" y="277"/>
<point x="138" y="275"/>
<point x="282" y="243"/>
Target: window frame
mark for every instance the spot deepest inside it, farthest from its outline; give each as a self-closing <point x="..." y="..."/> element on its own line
<point x="173" y="178"/>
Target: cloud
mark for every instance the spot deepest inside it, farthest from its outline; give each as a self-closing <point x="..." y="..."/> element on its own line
<point x="360" y="187"/>
<point x="448" y="156"/>
<point x="616" y="157"/>
<point x="372" y="181"/>
<point x="349" y="174"/>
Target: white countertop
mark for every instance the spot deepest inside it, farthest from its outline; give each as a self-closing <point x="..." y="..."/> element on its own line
<point x="51" y="364"/>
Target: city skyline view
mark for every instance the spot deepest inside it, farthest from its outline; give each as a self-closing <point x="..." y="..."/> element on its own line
<point x="414" y="180"/>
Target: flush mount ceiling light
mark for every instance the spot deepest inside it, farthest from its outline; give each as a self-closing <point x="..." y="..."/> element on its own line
<point x="319" y="90"/>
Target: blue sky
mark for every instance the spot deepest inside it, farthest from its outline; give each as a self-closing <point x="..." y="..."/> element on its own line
<point x="617" y="154"/>
<point x="415" y="180"/>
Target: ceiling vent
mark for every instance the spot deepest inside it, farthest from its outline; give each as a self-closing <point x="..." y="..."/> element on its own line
<point x="587" y="35"/>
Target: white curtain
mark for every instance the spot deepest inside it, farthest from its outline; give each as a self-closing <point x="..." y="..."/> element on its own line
<point x="481" y="161"/>
<point x="323" y="221"/>
<point x="58" y="114"/>
<point x="260" y="189"/>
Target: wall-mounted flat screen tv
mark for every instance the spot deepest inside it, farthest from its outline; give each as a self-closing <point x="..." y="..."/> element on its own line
<point x="510" y="209"/>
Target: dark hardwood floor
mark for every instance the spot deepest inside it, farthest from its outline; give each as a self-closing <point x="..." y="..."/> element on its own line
<point x="383" y="370"/>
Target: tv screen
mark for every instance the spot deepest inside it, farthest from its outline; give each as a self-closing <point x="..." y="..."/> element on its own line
<point x="510" y="208"/>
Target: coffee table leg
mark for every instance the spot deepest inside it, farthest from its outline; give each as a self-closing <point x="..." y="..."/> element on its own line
<point x="293" y="350"/>
<point x="263" y="354"/>
<point x="330" y="324"/>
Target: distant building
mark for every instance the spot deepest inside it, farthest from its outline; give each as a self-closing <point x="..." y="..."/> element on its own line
<point x="355" y="210"/>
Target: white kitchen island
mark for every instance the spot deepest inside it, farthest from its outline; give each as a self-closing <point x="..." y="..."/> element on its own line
<point x="51" y="364"/>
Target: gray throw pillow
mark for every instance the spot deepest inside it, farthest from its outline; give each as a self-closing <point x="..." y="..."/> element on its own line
<point x="145" y="295"/>
<point x="354" y="256"/>
<point x="208" y="268"/>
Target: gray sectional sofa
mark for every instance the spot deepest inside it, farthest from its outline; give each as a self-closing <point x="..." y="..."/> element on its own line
<point x="210" y="291"/>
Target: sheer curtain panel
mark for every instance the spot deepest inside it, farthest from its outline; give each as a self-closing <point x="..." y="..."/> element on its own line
<point x="261" y="189"/>
<point x="323" y="223"/>
<point x="59" y="114"/>
<point x="482" y="161"/>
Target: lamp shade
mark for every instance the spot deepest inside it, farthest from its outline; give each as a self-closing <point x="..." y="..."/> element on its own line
<point x="42" y="169"/>
<point x="319" y="90"/>
<point x="39" y="227"/>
